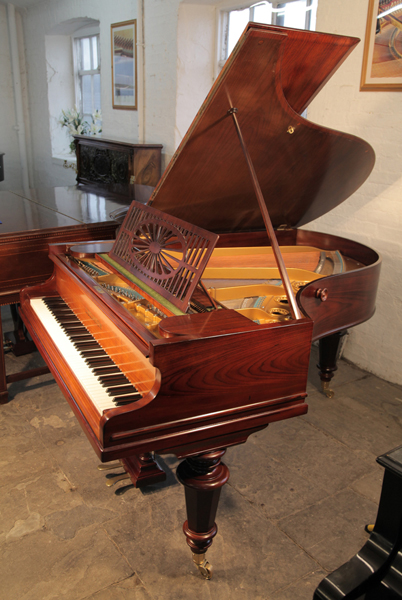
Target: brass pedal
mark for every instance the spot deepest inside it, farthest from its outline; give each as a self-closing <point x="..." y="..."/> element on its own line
<point x="109" y="466"/>
<point x="115" y="478"/>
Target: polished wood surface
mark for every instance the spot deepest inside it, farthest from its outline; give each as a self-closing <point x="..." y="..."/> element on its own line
<point x="30" y="221"/>
<point x="34" y="219"/>
<point x="304" y="170"/>
<point x="308" y="259"/>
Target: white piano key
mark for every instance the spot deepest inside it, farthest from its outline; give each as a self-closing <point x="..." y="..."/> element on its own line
<point x="90" y="383"/>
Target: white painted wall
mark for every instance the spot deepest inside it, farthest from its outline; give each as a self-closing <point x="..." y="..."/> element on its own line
<point x="60" y="81"/>
<point x="195" y="62"/>
<point x="160" y="33"/>
<point x="373" y="215"/>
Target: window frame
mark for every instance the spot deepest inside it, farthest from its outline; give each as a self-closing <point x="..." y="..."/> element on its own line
<point x="79" y="73"/>
<point x="223" y="28"/>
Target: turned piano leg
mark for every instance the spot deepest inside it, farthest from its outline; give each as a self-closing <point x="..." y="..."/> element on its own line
<point x="203" y="477"/>
<point x="328" y="356"/>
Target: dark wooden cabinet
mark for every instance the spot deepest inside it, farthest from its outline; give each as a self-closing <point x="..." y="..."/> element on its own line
<point x="120" y="168"/>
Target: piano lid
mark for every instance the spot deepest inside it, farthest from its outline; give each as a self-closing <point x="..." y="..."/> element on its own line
<point x="304" y="170"/>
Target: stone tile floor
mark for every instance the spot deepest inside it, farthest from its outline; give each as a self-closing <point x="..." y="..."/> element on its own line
<point x="299" y="495"/>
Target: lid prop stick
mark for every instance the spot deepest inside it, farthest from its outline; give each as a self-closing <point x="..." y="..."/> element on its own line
<point x="295" y="310"/>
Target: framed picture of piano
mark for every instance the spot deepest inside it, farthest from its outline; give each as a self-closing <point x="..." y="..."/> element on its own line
<point x="124" y="65"/>
<point x="382" y="57"/>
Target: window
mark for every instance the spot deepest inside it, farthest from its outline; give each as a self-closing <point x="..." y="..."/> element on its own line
<point x="298" y="14"/>
<point x="73" y="76"/>
<point x="88" y="93"/>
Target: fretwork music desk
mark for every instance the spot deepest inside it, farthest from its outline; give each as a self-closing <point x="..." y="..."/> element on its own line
<point x="32" y="220"/>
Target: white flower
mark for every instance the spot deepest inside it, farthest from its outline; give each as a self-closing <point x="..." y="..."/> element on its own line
<point x="94" y="129"/>
<point x="74" y="121"/>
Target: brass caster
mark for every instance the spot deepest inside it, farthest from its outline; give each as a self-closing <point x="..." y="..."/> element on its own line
<point x="369" y="528"/>
<point x="326" y="389"/>
<point x="203" y="565"/>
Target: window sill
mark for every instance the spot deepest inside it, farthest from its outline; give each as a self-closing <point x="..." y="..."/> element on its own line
<point x="64" y="160"/>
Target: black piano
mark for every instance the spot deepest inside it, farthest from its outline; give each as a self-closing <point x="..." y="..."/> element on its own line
<point x="375" y="572"/>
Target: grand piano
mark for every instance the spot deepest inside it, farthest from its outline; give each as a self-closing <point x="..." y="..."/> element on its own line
<point x="193" y="329"/>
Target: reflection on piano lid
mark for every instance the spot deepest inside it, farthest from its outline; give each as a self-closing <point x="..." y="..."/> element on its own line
<point x="166" y="303"/>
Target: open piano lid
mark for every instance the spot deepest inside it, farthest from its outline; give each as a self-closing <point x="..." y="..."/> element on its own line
<point x="304" y="170"/>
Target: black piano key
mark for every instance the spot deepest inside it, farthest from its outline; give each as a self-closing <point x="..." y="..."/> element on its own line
<point x="54" y="302"/>
<point x="80" y="336"/>
<point x="73" y="327"/>
<point x="87" y="345"/>
<point x="108" y="368"/>
<point x="61" y="310"/>
<point x="113" y="379"/>
<point x="76" y="327"/>
<point x="122" y="400"/>
<point x="122" y="390"/>
<point x="96" y="356"/>
<point x="101" y="362"/>
<point x="91" y="353"/>
<point x="67" y="319"/>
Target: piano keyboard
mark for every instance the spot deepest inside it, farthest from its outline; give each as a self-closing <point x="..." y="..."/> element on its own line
<point x="100" y="377"/>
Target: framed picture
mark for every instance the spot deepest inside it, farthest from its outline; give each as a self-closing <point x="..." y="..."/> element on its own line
<point x="382" y="58"/>
<point x="124" y="65"/>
